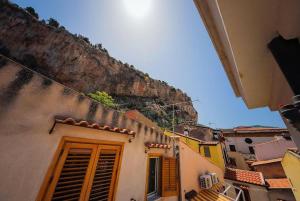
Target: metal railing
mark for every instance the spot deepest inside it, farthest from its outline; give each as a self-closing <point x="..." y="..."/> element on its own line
<point x="239" y="194"/>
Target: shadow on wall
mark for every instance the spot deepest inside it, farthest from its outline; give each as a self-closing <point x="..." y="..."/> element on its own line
<point x="193" y="165"/>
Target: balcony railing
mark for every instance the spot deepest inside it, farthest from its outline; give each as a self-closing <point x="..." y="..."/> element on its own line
<point x="238" y="192"/>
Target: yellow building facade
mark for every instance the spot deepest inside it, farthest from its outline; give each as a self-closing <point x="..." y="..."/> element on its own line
<point x="215" y="156"/>
<point x="291" y="166"/>
<point x="210" y="150"/>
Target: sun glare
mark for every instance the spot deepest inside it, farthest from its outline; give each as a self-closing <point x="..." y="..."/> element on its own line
<point x="137" y="8"/>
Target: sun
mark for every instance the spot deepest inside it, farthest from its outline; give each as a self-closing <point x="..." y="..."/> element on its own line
<point x="137" y="8"/>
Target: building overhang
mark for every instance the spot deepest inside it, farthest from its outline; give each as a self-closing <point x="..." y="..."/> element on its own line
<point x="240" y="32"/>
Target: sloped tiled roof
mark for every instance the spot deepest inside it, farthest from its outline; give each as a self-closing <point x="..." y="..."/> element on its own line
<point x="278" y="183"/>
<point x="266" y="161"/>
<point x="244" y="176"/>
<point x="201" y="142"/>
<point x="245" y="129"/>
<point x="93" y="125"/>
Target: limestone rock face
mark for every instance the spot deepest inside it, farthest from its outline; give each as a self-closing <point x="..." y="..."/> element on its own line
<point x="66" y="58"/>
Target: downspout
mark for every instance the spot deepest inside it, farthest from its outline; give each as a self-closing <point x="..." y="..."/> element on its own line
<point x="178" y="173"/>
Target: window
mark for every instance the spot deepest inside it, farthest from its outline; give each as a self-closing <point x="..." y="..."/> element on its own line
<point x="162" y="177"/>
<point x="83" y="171"/>
<point x="225" y="156"/>
<point x="251" y="149"/>
<point x="232" y="148"/>
<point x="154" y="178"/>
<point x="206" y="151"/>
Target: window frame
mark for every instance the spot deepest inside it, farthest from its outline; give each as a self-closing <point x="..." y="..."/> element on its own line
<point x="160" y="190"/>
<point x="58" y="153"/>
<point x="232" y="145"/>
<point x="61" y="162"/>
<point x="206" y="150"/>
<point x="153" y="155"/>
<point x="155" y="194"/>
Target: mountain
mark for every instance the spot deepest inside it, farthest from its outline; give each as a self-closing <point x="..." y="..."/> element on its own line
<point x="73" y="61"/>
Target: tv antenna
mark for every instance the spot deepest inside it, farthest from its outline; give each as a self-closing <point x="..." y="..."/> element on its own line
<point x="173" y="111"/>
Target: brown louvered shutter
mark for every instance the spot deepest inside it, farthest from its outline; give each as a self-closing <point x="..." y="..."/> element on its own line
<point x="84" y="172"/>
<point x="169" y="177"/>
<point x="101" y="187"/>
<point x="70" y="179"/>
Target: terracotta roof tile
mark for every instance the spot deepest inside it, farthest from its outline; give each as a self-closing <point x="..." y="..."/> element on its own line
<point x="93" y="125"/>
<point x="278" y="183"/>
<point x="244" y="176"/>
<point x="157" y="145"/>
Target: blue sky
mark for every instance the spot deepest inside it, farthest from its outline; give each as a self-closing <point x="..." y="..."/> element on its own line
<point x="169" y="42"/>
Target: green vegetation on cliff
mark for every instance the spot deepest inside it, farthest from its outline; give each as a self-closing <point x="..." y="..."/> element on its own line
<point x="72" y="60"/>
<point x="103" y="98"/>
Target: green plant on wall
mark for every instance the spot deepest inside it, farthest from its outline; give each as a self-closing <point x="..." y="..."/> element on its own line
<point x="103" y="98"/>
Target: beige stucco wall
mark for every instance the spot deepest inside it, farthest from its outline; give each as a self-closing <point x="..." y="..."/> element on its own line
<point x="266" y="151"/>
<point x="193" y="165"/>
<point x="239" y="159"/>
<point x="270" y="170"/>
<point x="281" y="194"/>
<point x="240" y="144"/>
<point x="33" y="154"/>
<point x="27" y="112"/>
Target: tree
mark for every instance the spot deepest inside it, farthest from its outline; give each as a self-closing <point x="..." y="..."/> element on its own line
<point x="98" y="46"/>
<point x="32" y="12"/>
<point x="53" y="22"/>
<point x="86" y="39"/>
<point x="103" y="98"/>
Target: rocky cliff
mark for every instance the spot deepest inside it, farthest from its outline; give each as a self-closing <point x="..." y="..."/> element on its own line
<point x="74" y="62"/>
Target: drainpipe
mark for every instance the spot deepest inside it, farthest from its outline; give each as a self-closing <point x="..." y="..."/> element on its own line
<point x="179" y="175"/>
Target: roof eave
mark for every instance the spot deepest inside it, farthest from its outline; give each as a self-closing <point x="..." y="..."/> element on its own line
<point x="208" y="21"/>
<point x="262" y="185"/>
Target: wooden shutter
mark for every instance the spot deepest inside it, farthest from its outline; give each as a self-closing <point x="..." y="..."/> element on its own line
<point x="84" y="172"/>
<point x="169" y="177"/>
<point x="70" y="178"/>
<point x="101" y="187"/>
